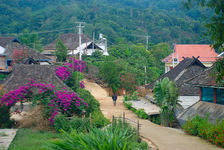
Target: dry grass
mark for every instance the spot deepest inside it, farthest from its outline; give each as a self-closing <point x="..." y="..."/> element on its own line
<point x="34" y="119"/>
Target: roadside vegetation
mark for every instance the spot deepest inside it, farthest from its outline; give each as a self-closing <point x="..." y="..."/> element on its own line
<point x="199" y="126"/>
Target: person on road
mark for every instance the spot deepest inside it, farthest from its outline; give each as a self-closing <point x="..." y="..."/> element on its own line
<point x="114" y="97"/>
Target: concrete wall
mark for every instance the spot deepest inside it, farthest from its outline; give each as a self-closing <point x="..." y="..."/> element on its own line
<point x="187" y="101"/>
<point x="2" y="63"/>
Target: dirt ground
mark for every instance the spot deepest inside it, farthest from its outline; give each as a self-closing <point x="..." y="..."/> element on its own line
<point x="164" y="138"/>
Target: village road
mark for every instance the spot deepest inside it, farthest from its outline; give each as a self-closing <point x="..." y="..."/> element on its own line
<point x="164" y="138"/>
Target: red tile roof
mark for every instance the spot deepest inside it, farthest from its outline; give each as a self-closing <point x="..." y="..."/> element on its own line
<point x="205" y="52"/>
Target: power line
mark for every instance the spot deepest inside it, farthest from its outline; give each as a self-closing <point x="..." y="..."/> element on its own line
<point x="42" y="32"/>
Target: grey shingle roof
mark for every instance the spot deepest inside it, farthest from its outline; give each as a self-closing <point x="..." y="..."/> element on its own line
<point x="31" y="52"/>
<point x="4" y="41"/>
<point x="185" y="70"/>
<point x="21" y="74"/>
<point x="70" y="40"/>
<point x="204" y="79"/>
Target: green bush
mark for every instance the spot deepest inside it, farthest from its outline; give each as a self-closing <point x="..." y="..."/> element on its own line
<point x="61" y="122"/>
<point x="5" y="121"/>
<point x="115" y="137"/>
<point x="93" y="104"/>
<point x="98" y="119"/>
<point x="128" y="105"/>
<point x="201" y="127"/>
<point x="155" y="119"/>
<point x="141" y="114"/>
<point x="78" y="124"/>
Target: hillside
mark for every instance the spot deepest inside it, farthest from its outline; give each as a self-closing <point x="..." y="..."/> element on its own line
<point x="119" y="20"/>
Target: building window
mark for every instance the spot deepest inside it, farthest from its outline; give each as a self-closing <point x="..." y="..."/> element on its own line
<point x="208" y="95"/>
<point x="220" y="96"/>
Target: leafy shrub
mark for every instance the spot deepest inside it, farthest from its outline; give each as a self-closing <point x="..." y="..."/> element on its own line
<point x="78" y="124"/>
<point x="93" y="104"/>
<point x="141" y="114"/>
<point x="114" y="137"/>
<point x="199" y="126"/>
<point x="61" y="122"/>
<point x="134" y="96"/>
<point x="5" y="121"/>
<point x="128" y="105"/>
<point x="126" y="98"/>
<point x="98" y="119"/>
<point x="155" y="119"/>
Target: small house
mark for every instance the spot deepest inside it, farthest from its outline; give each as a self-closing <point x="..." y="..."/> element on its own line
<point x="209" y="90"/>
<point x="185" y="70"/>
<point x="211" y="98"/>
<point x="4" y="41"/>
<point x="71" y="42"/>
<point x="205" y="53"/>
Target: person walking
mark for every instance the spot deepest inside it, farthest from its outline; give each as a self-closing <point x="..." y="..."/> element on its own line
<point x="114" y="97"/>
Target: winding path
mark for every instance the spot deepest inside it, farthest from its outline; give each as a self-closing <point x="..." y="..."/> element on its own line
<point x="164" y="138"/>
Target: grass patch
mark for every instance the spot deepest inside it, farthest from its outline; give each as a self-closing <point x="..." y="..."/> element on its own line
<point x="27" y="139"/>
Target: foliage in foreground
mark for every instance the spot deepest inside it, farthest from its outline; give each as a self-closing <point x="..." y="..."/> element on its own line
<point x="201" y="127"/>
<point x="27" y="139"/>
<point x="139" y="112"/>
<point x="166" y="96"/>
<point x="118" y="136"/>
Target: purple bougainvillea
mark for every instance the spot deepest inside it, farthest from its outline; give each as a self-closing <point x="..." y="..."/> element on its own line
<point x="63" y="101"/>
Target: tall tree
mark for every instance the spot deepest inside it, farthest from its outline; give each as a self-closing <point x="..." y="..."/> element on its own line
<point x="215" y="23"/>
<point x="61" y="51"/>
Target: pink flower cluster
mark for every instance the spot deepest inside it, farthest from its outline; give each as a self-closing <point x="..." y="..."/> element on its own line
<point x="82" y="85"/>
<point x="79" y="65"/>
<point x="63" y="73"/>
<point x="22" y="92"/>
<point x="66" y="102"/>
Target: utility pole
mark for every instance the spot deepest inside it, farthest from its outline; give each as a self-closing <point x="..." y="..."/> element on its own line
<point x="93" y="40"/>
<point x="80" y="26"/>
<point x="147" y="41"/>
<point x="145" y="75"/>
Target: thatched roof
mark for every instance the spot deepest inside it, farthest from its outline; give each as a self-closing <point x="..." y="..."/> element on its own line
<point x="204" y="79"/>
<point x="22" y="74"/>
<point x="31" y="52"/>
<point x="71" y="41"/>
<point x="4" y="41"/>
<point x="185" y="70"/>
<point x="215" y="112"/>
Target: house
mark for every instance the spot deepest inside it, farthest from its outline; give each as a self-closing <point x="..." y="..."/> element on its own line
<point x="4" y="41"/>
<point x="211" y="98"/>
<point x="205" y="53"/>
<point x="22" y="73"/>
<point x="209" y="90"/>
<point x="71" y="41"/>
<point x="30" y="54"/>
<point x="185" y="70"/>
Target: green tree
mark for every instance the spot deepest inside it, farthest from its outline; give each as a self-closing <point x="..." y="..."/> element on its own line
<point x="215" y="23"/>
<point x="109" y="71"/>
<point x="166" y="96"/>
<point x="31" y="40"/>
<point x="215" y="31"/>
<point x="61" y="51"/>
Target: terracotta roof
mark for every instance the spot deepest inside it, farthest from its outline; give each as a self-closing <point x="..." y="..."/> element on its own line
<point x="4" y="41"/>
<point x="71" y="41"/>
<point x="185" y="70"/>
<point x="205" y="52"/>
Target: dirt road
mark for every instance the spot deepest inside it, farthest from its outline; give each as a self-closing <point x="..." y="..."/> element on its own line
<point x="165" y="138"/>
